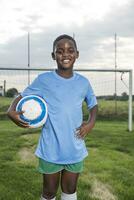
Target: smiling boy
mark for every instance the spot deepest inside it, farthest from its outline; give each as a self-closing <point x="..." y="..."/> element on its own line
<point x="61" y="148"/>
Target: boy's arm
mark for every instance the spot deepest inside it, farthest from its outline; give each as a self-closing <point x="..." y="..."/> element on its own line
<point x="14" y="115"/>
<point x="86" y="127"/>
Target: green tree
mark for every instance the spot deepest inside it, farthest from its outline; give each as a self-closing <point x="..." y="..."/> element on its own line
<point x="124" y="96"/>
<point x="12" y="92"/>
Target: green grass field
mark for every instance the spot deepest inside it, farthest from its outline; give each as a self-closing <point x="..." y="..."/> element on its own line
<point x="108" y="173"/>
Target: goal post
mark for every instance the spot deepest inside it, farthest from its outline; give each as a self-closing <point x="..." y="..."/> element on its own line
<point x="130" y="114"/>
<point x="20" y="76"/>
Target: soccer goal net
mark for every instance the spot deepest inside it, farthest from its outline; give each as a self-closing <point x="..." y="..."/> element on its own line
<point x="113" y="88"/>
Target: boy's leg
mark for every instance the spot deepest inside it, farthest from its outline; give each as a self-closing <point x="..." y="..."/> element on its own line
<point x="69" y="185"/>
<point x="42" y="198"/>
<point x="50" y="185"/>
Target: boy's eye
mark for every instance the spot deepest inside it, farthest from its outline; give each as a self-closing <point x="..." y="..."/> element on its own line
<point x="71" y="51"/>
<point x="59" y="52"/>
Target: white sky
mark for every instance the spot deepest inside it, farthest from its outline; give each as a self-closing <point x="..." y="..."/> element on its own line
<point x="19" y="16"/>
<point x="94" y="24"/>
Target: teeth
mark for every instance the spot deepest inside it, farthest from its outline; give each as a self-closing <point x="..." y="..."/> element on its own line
<point x="66" y="61"/>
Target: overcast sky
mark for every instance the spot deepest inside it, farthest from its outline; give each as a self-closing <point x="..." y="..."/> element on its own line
<point x="94" y="24"/>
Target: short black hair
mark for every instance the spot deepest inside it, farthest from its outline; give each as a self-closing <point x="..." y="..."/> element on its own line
<point x="64" y="36"/>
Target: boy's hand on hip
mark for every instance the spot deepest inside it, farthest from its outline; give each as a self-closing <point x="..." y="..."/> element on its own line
<point x="83" y="130"/>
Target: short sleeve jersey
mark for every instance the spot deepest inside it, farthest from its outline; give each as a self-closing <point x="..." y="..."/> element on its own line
<point x="64" y="97"/>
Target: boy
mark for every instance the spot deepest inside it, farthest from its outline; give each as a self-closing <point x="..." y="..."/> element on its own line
<point x="61" y="148"/>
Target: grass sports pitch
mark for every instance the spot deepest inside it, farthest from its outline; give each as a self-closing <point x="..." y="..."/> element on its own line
<point x="108" y="170"/>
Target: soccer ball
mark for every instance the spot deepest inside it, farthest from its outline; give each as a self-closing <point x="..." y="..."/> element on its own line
<point x="35" y="110"/>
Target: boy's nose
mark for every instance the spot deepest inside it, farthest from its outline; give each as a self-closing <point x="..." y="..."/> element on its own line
<point x="65" y="54"/>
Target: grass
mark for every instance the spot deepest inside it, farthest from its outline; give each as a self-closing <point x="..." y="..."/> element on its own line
<point x="4" y="104"/>
<point x="108" y="172"/>
<point x="109" y="169"/>
<point x="107" y="110"/>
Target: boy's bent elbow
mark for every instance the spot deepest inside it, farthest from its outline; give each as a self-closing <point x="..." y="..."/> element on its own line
<point x="12" y="107"/>
<point x="94" y="108"/>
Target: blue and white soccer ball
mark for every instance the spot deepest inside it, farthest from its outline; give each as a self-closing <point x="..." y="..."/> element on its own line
<point x="35" y="110"/>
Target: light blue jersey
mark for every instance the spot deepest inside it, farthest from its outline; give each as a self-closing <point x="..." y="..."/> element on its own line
<point x="64" y="97"/>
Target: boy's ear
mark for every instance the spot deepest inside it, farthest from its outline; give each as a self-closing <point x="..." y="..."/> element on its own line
<point x="77" y="56"/>
<point x="53" y="55"/>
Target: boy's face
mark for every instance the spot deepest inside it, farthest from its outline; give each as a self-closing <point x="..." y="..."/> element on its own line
<point x="65" y="54"/>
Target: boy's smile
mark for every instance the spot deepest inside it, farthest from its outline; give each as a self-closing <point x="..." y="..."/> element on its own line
<point x="65" y="54"/>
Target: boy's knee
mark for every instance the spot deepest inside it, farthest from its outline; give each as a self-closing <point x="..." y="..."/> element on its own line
<point x="69" y="189"/>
